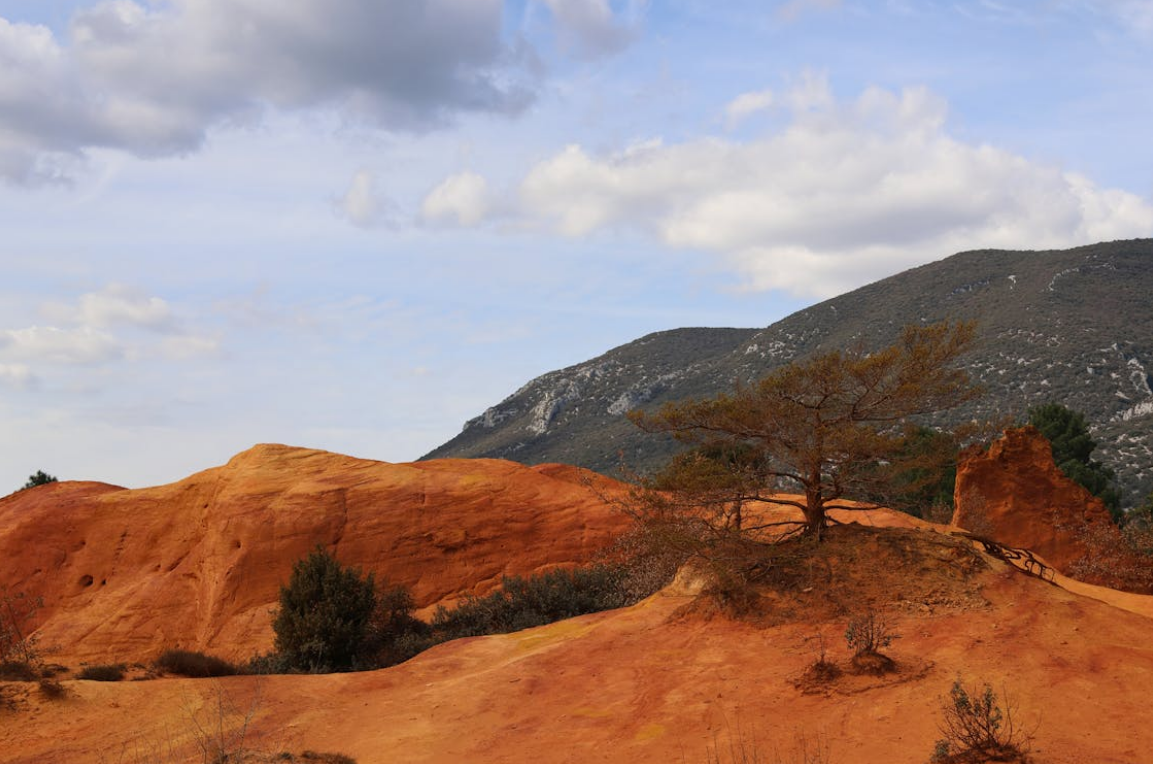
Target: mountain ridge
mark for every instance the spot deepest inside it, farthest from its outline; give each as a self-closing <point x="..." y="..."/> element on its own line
<point x="1072" y="326"/>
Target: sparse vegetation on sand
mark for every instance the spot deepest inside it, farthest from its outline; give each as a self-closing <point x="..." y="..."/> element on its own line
<point x="193" y="664"/>
<point x="867" y="634"/>
<point x="742" y="747"/>
<point x="979" y="727"/>
<point x="108" y="672"/>
<point x="325" y="602"/>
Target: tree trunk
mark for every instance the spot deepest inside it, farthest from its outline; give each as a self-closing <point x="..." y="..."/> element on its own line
<point x="814" y="514"/>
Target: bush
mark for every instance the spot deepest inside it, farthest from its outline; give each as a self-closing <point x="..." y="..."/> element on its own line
<point x="193" y="664"/>
<point x="40" y="477"/>
<point x="17" y="644"/>
<point x="324" y="614"/>
<point x="393" y="634"/>
<point x="522" y="603"/>
<point x="869" y="633"/>
<point x="52" y="689"/>
<point x="18" y="671"/>
<point x="978" y="729"/>
<point x="112" y="672"/>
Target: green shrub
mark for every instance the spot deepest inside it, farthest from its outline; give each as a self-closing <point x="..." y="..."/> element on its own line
<point x="324" y="614"/>
<point x="39" y="477"/>
<point x="394" y="635"/>
<point x="112" y="672"/>
<point x="522" y="603"/>
<point x="193" y="664"/>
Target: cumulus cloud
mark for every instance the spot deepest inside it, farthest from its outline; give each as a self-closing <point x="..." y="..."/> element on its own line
<point x="462" y="199"/>
<point x="115" y="323"/>
<point x="152" y="78"/>
<point x="589" y="28"/>
<point x="844" y="194"/>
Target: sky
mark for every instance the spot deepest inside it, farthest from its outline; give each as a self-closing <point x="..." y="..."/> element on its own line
<point x="355" y="224"/>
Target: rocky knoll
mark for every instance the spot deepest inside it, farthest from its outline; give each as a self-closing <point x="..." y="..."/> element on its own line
<point x="197" y="564"/>
<point x="1017" y="495"/>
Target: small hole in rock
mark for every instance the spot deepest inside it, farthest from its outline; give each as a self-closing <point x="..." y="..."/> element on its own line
<point x="86" y="580"/>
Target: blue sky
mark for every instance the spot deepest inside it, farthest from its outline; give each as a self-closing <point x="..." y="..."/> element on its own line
<point x="353" y="225"/>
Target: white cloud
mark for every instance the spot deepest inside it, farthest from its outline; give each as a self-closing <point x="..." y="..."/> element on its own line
<point x="153" y="77"/>
<point x="745" y="105"/>
<point x="115" y="305"/>
<point x="588" y="28"/>
<point x="83" y="345"/>
<point x="847" y="193"/>
<point x="360" y="204"/>
<point x="100" y="327"/>
<point x="17" y="375"/>
<point x="462" y="199"/>
<point x="189" y="346"/>
<point x="119" y="304"/>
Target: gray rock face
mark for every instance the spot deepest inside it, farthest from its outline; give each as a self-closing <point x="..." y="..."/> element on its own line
<point x="1071" y="326"/>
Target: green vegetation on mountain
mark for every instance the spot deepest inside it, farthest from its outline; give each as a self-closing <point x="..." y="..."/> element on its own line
<point x="1070" y="325"/>
<point x="1073" y="446"/>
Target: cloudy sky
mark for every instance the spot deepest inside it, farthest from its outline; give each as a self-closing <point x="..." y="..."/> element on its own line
<point x="354" y="224"/>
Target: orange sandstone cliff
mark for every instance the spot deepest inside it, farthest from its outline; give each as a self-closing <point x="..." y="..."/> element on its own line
<point x="198" y="564"/>
<point x="1017" y="495"/>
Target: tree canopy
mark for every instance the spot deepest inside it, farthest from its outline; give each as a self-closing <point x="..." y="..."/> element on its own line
<point x="40" y="477"/>
<point x="834" y="427"/>
<point x="324" y="614"/>
<point x="1073" y="446"/>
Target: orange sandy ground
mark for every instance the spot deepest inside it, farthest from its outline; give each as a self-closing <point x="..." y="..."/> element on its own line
<point x="635" y="685"/>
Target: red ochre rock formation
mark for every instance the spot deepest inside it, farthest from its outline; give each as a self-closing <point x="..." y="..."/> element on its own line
<point x="198" y="564"/>
<point x="1015" y="494"/>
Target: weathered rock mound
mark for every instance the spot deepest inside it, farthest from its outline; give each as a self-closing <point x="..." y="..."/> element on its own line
<point x="1017" y="495"/>
<point x="198" y="564"/>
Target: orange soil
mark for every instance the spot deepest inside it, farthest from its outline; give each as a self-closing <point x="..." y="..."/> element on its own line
<point x="198" y="564"/>
<point x="641" y="684"/>
<point x="636" y="685"/>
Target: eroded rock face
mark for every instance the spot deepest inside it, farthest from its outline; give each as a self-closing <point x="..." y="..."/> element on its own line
<point x="198" y="564"/>
<point x="1015" y="494"/>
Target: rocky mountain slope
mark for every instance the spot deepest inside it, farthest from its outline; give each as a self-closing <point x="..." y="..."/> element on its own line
<point x="198" y="564"/>
<point x="1072" y="326"/>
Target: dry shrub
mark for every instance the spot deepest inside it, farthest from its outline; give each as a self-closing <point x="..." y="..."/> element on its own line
<point x="112" y="672"/>
<point x="977" y="728"/>
<point x="743" y="748"/>
<point x="52" y="688"/>
<point x="822" y="670"/>
<point x="866" y="635"/>
<point x="17" y="643"/>
<point x="193" y="664"/>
